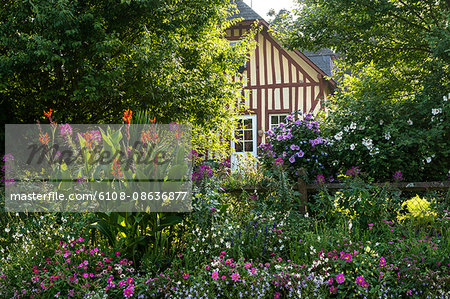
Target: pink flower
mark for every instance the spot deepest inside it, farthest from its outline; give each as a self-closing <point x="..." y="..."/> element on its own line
<point x="85" y="275"/>
<point x="330" y="281"/>
<point x="253" y="271"/>
<point x="333" y="289"/>
<point x="277" y="295"/>
<point x="235" y="276"/>
<point x="247" y="265"/>
<point x="86" y="262"/>
<point x="278" y="162"/>
<point x="186" y="275"/>
<point x="348" y="257"/>
<point x="360" y="280"/>
<point x="223" y="277"/>
<point x="340" y="278"/>
<point x="128" y="292"/>
<point x="409" y="293"/>
<point x="382" y="262"/>
<point x="320" y="179"/>
<point x="130" y="280"/>
<point x="215" y="275"/>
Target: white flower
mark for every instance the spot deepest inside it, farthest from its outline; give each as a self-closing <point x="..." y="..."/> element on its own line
<point x="428" y="159"/>
<point x="381" y="122"/>
<point x="338" y="136"/>
<point x="352" y="146"/>
<point x="387" y="135"/>
<point x="375" y="151"/>
<point x="346" y="129"/>
<point x="7" y="230"/>
<point x="410" y="122"/>
<point x="353" y="126"/>
<point x="367" y="117"/>
<point x="367" y="142"/>
<point x="445" y="99"/>
<point x="436" y="111"/>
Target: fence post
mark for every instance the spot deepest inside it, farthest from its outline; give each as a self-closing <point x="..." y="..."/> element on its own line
<point x="302" y="189"/>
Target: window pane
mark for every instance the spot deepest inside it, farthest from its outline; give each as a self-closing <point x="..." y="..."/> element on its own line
<point x="249" y="146"/>
<point x="238" y="147"/>
<point x="248" y="135"/>
<point x="247" y="123"/>
<point x="274" y="120"/>
<point x="238" y="134"/>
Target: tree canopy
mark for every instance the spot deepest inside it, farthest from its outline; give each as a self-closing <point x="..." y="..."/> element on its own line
<point x="90" y="60"/>
<point x="409" y="39"/>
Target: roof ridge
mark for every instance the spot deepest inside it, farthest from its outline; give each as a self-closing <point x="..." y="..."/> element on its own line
<point x="245" y="12"/>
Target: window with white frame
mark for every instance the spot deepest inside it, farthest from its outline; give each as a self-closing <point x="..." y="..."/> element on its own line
<point x="245" y="135"/>
<point x="276" y="119"/>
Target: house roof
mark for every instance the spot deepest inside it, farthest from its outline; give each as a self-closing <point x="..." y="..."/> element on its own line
<point x="245" y="12"/>
<point x="322" y="58"/>
<point x="321" y="52"/>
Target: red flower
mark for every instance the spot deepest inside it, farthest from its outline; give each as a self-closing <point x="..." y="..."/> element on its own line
<point x="127" y="116"/>
<point x="48" y="114"/>
<point x="44" y="139"/>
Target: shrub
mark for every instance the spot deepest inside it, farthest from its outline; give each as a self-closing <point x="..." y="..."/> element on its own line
<point x="385" y="133"/>
<point x="418" y="211"/>
<point x="299" y="143"/>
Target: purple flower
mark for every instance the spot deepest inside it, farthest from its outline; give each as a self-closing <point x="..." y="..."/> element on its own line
<point x="66" y="130"/>
<point x="398" y="176"/>
<point x="8" y="157"/>
<point x="340" y="278"/>
<point x="279" y="137"/>
<point x="353" y="172"/>
<point x="292" y="159"/>
<point x="279" y="162"/>
<point x="9" y="182"/>
<point x="320" y="179"/>
<point x="300" y="154"/>
<point x="173" y="126"/>
<point x="81" y="180"/>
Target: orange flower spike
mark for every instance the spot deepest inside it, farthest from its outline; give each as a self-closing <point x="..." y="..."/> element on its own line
<point x="127" y="116"/>
<point x="152" y="120"/>
<point x="44" y="139"/>
<point x="116" y="171"/>
<point x="49" y="113"/>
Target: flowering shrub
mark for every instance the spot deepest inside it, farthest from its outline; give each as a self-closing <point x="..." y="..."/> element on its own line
<point x="418" y="211"/>
<point x="299" y="143"/>
<point x="387" y="133"/>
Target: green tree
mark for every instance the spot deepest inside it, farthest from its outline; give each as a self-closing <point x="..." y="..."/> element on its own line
<point x="394" y="72"/>
<point x="90" y="60"/>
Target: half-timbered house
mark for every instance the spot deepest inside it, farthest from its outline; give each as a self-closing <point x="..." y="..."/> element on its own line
<point x="277" y="81"/>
